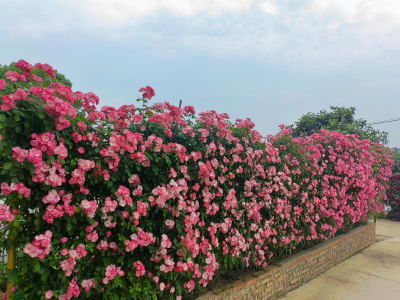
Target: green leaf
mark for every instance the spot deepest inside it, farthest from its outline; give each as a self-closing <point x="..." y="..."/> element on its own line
<point x="2" y="118"/>
<point x="24" y="269"/>
<point x="69" y="227"/>
<point x="16" y="223"/>
<point x="10" y="275"/>
<point x="17" y="118"/>
<point x="41" y="115"/>
<point x="36" y="267"/>
<point x="7" y="165"/>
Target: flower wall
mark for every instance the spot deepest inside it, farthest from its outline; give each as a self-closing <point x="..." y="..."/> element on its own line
<point x="147" y="202"/>
<point x="393" y="192"/>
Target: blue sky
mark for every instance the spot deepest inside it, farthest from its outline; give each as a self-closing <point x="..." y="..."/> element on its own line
<point x="268" y="60"/>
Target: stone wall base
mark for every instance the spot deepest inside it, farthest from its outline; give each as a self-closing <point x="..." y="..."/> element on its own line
<point x="290" y="273"/>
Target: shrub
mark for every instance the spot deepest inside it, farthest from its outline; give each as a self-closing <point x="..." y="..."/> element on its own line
<point x="148" y="202"/>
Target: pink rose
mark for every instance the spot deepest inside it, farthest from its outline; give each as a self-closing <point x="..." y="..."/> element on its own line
<point x="169" y="223"/>
<point x="162" y="286"/>
<point x="2" y="84"/>
<point x="49" y="294"/>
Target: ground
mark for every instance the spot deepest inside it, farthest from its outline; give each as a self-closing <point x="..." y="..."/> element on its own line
<point x="372" y="274"/>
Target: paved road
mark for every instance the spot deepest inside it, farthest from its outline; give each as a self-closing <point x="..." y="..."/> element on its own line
<point x="372" y="274"/>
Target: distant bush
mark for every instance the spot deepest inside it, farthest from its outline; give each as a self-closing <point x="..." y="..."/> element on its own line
<point x="148" y="202"/>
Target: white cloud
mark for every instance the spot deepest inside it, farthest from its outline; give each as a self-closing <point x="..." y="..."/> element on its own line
<point x="378" y="16"/>
<point x="269" y="7"/>
<point x="316" y="34"/>
<point x="124" y="10"/>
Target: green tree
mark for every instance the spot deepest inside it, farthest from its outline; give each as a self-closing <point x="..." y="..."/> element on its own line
<point x="46" y="79"/>
<point x="340" y="119"/>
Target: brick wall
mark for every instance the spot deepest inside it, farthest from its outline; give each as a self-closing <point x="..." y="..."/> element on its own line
<point x="288" y="274"/>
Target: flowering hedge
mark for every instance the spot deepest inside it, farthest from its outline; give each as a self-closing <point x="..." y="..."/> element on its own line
<point x="393" y="192"/>
<point x="148" y="202"/>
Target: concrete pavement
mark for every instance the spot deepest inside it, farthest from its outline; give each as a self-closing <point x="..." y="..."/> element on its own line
<point x="372" y="274"/>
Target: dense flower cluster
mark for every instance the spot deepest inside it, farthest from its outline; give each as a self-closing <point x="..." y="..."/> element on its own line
<point x="148" y="92"/>
<point x="5" y="214"/>
<point x="41" y="246"/>
<point x="20" y="188"/>
<point x="152" y="196"/>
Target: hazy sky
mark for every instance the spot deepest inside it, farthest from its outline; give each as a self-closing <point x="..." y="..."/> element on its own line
<point x="271" y="61"/>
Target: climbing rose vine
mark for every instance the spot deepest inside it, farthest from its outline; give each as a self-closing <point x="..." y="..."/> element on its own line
<point x="393" y="192"/>
<point x="149" y="201"/>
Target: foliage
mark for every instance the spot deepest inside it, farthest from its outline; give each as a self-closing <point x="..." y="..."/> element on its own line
<point x="148" y="202"/>
<point x="340" y="119"/>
